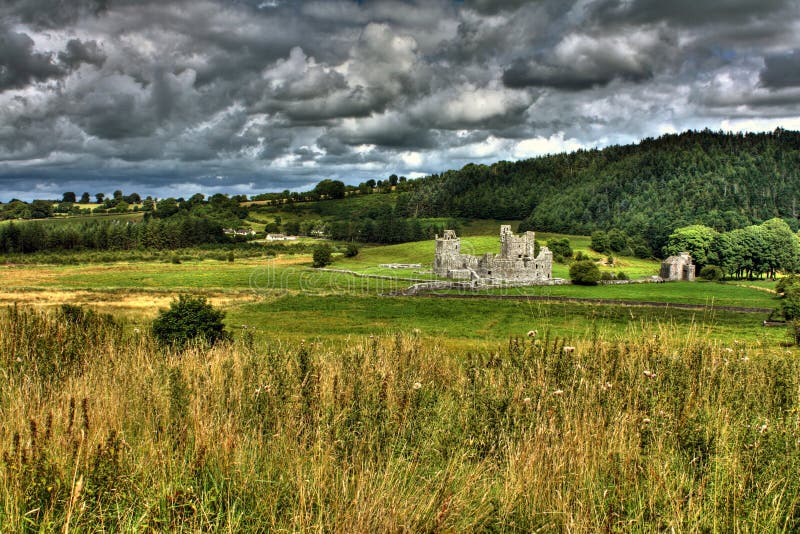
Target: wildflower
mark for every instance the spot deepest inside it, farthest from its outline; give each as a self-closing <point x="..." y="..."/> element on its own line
<point x="416" y="331"/>
<point x="558" y="392"/>
<point x="649" y="374"/>
<point x="744" y="359"/>
<point x="646" y="420"/>
<point x="728" y="349"/>
<point x="526" y="400"/>
<point x="569" y="349"/>
<point x="136" y="331"/>
<point x="606" y="386"/>
<point x="763" y="428"/>
<point x="417" y="385"/>
<point x="532" y="333"/>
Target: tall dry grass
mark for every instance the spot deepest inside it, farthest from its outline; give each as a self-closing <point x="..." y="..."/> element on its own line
<point x="101" y="431"/>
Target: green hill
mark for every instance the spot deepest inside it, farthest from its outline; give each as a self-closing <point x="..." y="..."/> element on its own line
<point x="724" y="181"/>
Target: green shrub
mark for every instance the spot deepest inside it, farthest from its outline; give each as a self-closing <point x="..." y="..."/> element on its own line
<point x="351" y="250"/>
<point x="322" y="255"/>
<point x="189" y="319"/>
<point x="787" y="282"/>
<point x="711" y="272"/>
<point x="584" y="272"/>
<point x="560" y="247"/>
<point x="622" y="276"/>
<point x="606" y="276"/>
<point x="600" y="241"/>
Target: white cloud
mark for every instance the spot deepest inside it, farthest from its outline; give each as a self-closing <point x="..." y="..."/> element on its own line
<point x="539" y="146"/>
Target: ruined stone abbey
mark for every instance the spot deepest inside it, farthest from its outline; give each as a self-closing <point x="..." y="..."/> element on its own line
<point x="516" y="261"/>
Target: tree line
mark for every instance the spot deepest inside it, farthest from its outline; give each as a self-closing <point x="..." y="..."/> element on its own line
<point x="749" y="252"/>
<point x="173" y="233"/>
<point x="723" y="181"/>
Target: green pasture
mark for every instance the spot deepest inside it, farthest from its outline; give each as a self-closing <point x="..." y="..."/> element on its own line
<point x="710" y="294"/>
<point x="269" y="275"/>
<point x="71" y="219"/>
<point x="470" y="323"/>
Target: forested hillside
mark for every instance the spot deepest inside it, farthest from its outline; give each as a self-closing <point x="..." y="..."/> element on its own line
<point x="724" y="181"/>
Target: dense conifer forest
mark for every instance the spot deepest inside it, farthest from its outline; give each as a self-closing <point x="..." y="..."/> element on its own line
<point x="724" y="181"/>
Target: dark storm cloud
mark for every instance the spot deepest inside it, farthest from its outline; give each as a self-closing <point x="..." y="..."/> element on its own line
<point x="20" y="64"/>
<point x="256" y="94"/>
<point x="781" y="70"/>
<point x="78" y="52"/>
<point x="581" y="61"/>
<point x="690" y="13"/>
<point x="52" y="13"/>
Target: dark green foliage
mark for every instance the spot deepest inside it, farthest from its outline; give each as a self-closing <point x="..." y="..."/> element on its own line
<point x="622" y="276"/>
<point x="600" y="241"/>
<point x="322" y="255"/>
<point x="755" y="250"/>
<point x="711" y="272"/>
<point x="787" y="282"/>
<point x="560" y="247"/>
<point x="189" y="319"/>
<point x="351" y="250"/>
<point x="330" y="189"/>
<point x="584" y="272"/>
<point x="723" y="181"/>
<point x="696" y="239"/>
<point x="617" y="240"/>
<point x="109" y="234"/>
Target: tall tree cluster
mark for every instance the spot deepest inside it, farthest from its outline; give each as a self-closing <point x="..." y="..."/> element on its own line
<point x="753" y="251"/>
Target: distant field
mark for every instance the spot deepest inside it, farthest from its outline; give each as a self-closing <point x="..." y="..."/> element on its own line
<point x="282" y="297"/>
<point x="63" y="219"/>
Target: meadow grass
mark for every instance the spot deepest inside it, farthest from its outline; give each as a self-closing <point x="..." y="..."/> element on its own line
<point x="482" y="323"/>
<point x="657" y="431"/>
<point x="700" y="293"/>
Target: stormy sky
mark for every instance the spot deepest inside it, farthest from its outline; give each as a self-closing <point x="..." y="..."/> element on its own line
<point x="246" y="96"/>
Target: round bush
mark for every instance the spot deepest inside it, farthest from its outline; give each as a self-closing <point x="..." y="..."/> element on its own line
<point x="189" y="319"/>
<point x="322" y="255"/>
<point x="584" y="273"/>
<point x="351" y="250"/>
<point x="711" y="272"/>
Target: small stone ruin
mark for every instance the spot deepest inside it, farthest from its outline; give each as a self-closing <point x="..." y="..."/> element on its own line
<point x="678" y="268"/>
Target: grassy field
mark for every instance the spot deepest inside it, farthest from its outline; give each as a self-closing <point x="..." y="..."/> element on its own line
<point x="655" y="429"/>
<point x="338" y="409"/>
<point x="283" y="297"/>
